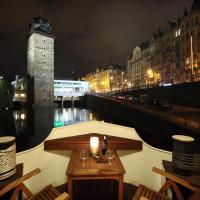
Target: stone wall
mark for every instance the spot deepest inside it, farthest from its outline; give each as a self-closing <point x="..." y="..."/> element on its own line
<point x="40" y="67"/>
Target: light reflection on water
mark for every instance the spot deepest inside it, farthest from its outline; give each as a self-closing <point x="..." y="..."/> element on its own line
<point x="67" y="116"/>
<point x="31" y="127"/>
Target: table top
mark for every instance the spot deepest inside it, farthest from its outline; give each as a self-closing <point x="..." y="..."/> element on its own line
<point x="91" y="167"/>
<point x="193" y="179"/>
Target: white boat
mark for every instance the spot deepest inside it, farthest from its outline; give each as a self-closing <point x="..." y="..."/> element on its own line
<point x="138" y="164"/>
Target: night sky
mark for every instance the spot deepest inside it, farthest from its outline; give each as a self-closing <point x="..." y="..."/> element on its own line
<point x="89" y="33"/>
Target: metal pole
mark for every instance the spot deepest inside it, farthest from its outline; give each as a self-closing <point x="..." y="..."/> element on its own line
<point x="62" y="102"/>
<point x="191" y="54"/>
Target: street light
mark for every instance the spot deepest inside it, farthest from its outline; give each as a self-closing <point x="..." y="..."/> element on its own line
<point x="150" y="73"/>
<point x="122" y="79"/>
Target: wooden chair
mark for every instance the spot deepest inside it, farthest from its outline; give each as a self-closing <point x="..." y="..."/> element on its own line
<point x="144" y="192"/>
<point x="48" y="193"/>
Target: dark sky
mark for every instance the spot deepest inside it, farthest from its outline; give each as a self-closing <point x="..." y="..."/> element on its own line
<point x="88" y="32"/>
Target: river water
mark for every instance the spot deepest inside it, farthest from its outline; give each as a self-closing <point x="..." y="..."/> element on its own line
<point x="31" y="127"/>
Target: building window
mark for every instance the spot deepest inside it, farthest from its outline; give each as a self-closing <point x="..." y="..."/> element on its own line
<point x="187" y="61"/>
<point x="187" y="36"/>
<point x="178" y="33"/>
<point x="192" y="22"/>
<point x="198" y="34"/>
<point x="183" y="38"/>
<point x="196" y="21"/>
<point x="187" y="24"/>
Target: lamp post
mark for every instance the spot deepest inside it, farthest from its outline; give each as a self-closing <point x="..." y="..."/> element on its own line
<point x="122" y="79"/>
<point x="191" y="63"/>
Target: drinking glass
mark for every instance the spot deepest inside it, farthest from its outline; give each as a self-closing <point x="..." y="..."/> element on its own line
<point x="110" y="155"/>
<point x="83" y="154"/>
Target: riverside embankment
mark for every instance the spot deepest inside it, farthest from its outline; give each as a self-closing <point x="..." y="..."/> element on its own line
<point x="188" y="118"/>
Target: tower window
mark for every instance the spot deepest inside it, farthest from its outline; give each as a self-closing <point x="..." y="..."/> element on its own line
<point x="178" y="32"/>
<point x="44" y="40"/>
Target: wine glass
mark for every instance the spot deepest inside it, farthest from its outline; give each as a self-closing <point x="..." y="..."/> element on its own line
<point x="110" y="155"/>
<point x="83" y="155"/>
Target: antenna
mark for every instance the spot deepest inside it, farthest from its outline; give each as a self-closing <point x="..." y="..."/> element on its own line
<point x="41" y="8"/>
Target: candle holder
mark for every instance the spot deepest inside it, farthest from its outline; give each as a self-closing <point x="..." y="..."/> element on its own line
<point x="94" y="145"/>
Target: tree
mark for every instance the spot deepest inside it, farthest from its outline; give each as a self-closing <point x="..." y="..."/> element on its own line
<point x="6" y="94"/>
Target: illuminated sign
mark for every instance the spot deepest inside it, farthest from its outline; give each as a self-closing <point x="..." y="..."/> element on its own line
<point x="58" y="124"/>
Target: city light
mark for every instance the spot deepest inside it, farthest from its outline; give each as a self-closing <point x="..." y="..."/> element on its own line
<point x="150" y="73"/>
<point x="23" y="116"/>
<point x="22" y="95"/>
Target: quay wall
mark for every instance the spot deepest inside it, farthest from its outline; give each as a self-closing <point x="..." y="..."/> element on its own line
<point x="127" y="112"/>
<point x="186" y="94"/>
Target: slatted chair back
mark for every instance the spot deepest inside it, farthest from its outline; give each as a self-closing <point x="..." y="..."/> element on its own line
<point x="145" y="193"/>
<point x="172" y="182"/>
<point x="48" y="193"/>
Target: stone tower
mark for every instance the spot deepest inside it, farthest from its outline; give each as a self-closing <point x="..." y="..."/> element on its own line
<point x="40" y="63"/>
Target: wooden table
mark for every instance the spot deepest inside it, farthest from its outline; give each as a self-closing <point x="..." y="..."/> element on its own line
<point x="91" y="170"/>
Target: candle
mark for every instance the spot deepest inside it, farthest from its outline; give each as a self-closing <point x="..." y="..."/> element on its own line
<point x="94" y="145"/>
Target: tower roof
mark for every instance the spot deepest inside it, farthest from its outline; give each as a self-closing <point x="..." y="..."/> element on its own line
<point x="40" y="24"/>
<point x="195" y="5"/>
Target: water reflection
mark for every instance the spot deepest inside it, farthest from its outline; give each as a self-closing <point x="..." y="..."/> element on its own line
<point x="67" y="116"/>
<point x="31" y="127"/>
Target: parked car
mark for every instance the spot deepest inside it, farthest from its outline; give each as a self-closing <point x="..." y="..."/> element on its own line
<point x="162" y="104"/>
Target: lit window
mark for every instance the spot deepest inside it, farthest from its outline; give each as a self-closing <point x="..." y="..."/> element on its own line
<point x="23" y="116"/>
<point x="187" y="61"/>
<point x="178" y="32"/>
<point x="22" y="95"/>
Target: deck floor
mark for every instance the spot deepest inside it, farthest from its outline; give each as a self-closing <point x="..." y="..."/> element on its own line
<point x="98" y="190"/>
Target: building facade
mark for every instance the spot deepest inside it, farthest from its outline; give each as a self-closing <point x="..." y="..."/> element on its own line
<point x="170" y="56"/>
<point x="107" y="78"/>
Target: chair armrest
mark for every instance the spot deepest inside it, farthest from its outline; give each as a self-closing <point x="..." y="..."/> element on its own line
<point x="63" y="196"/>
<point x="175" y="179"/>
<point x="18" y="181"/>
